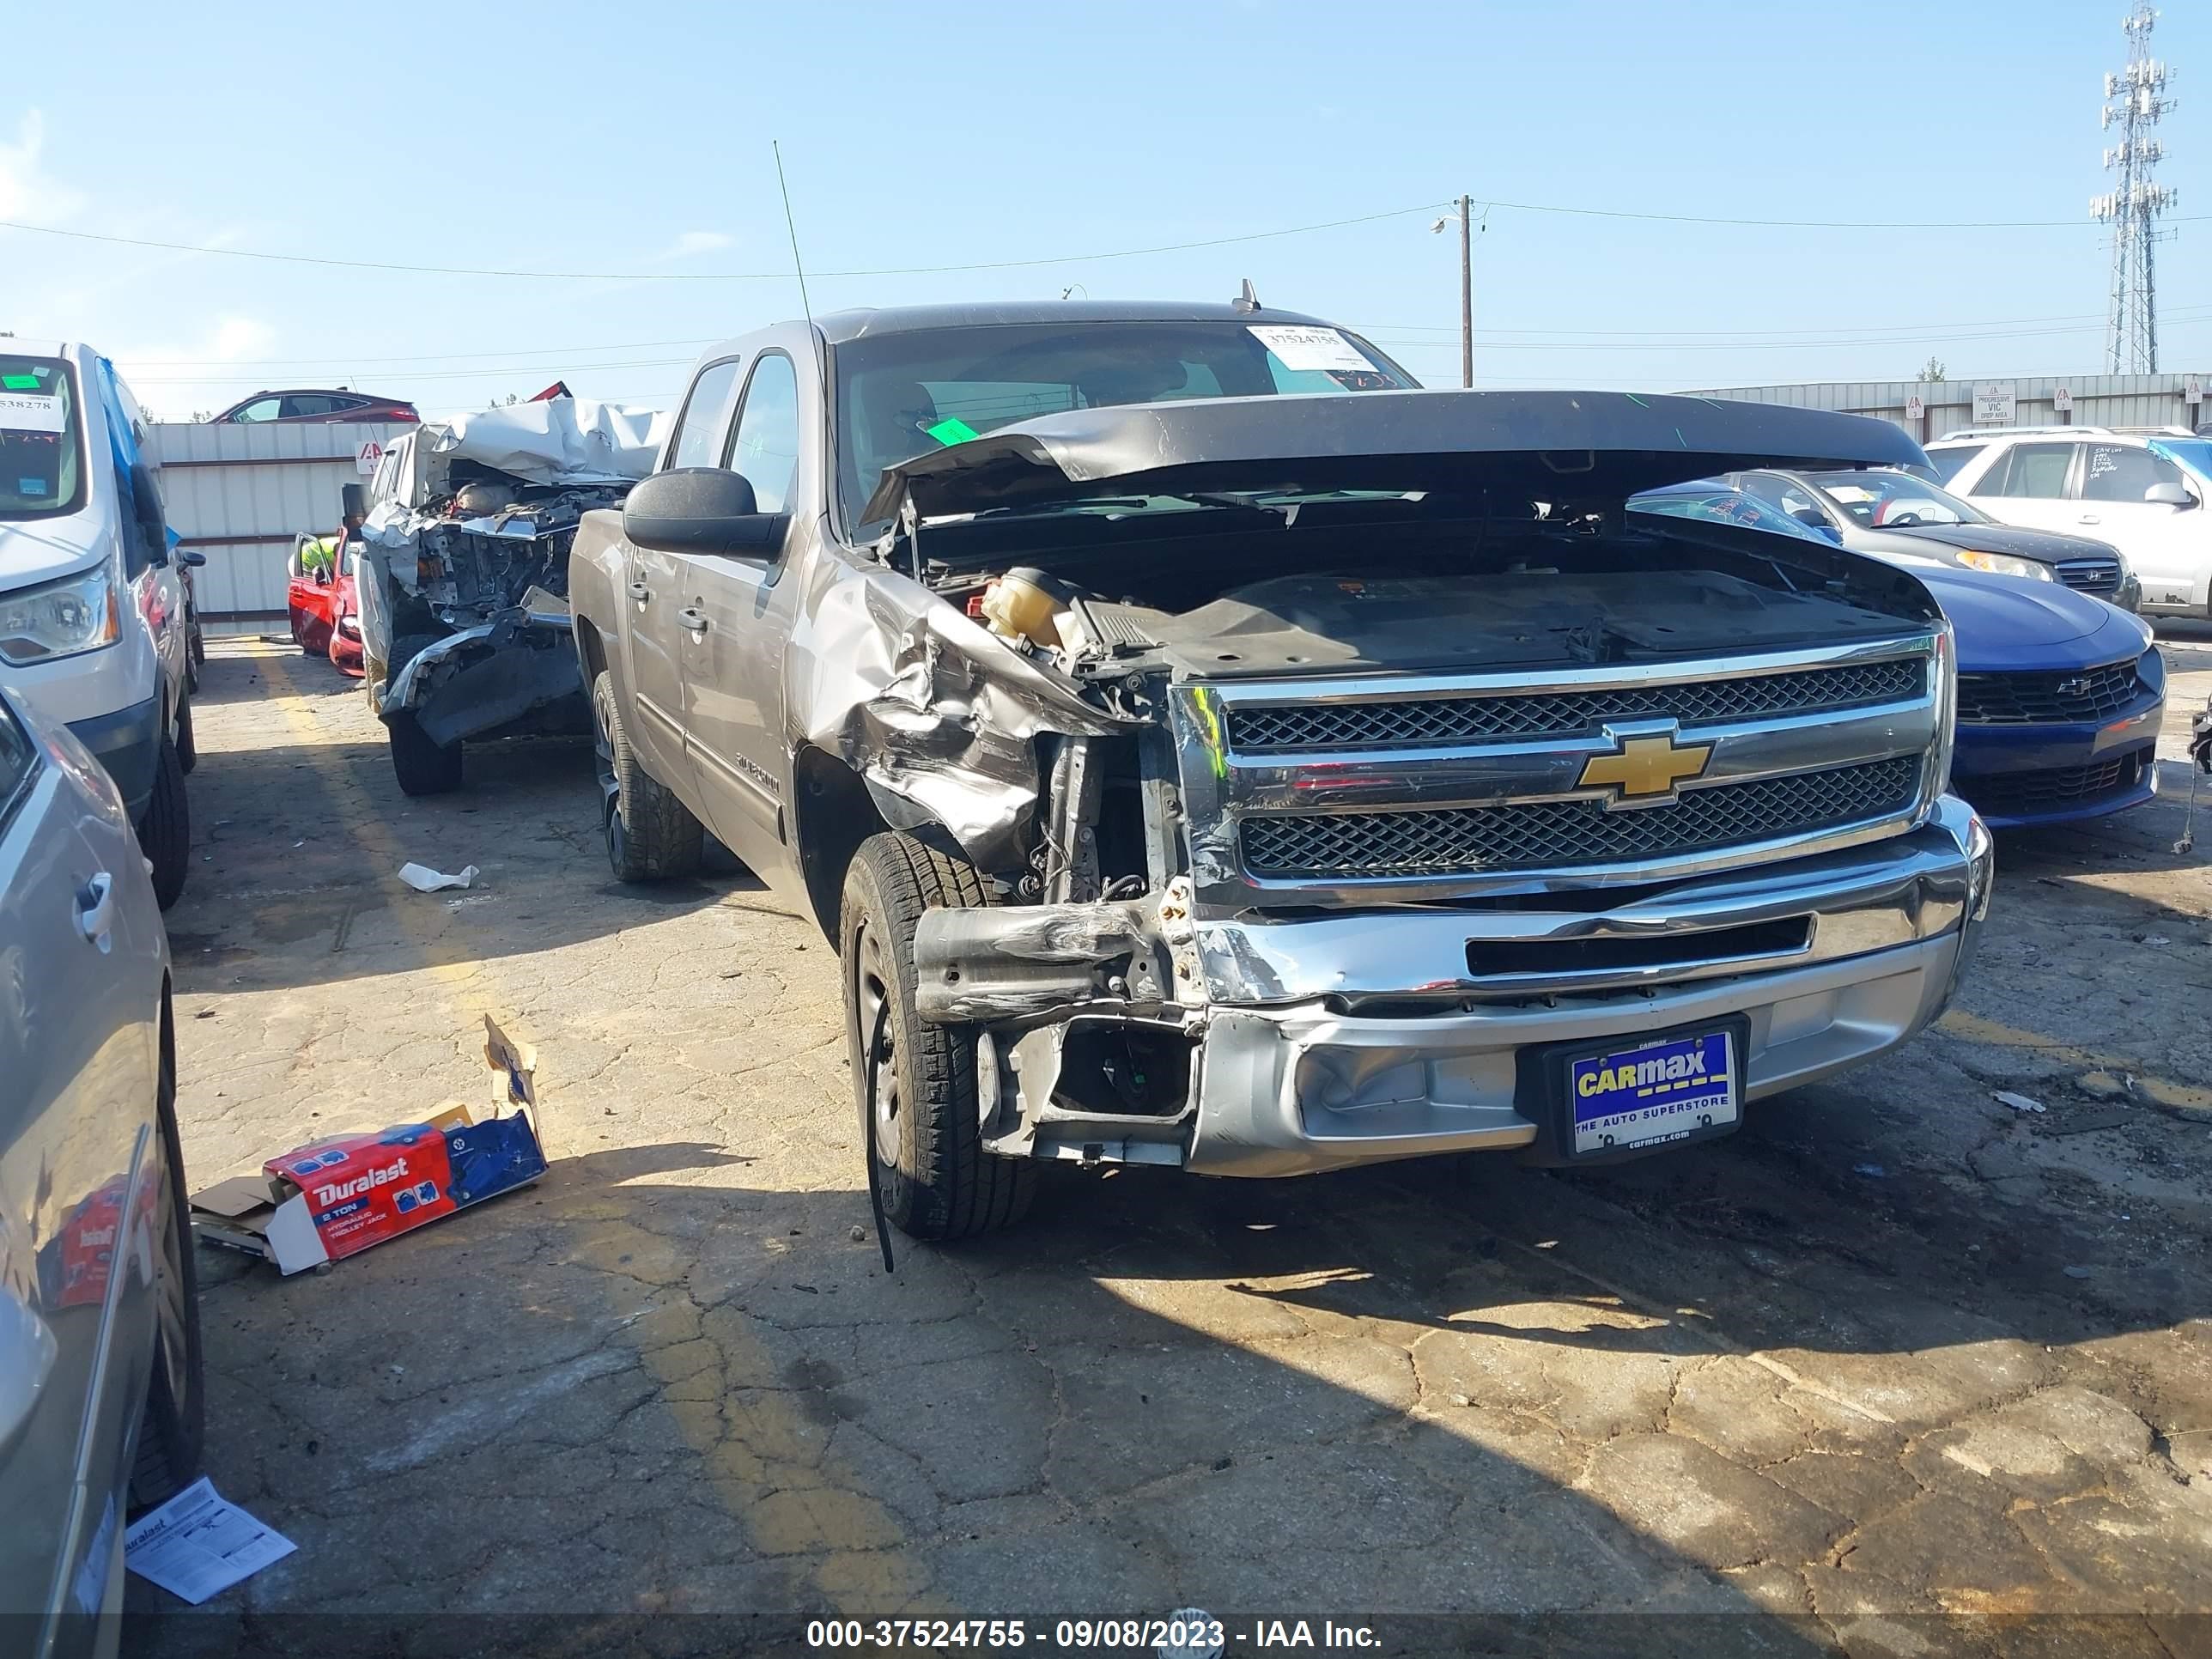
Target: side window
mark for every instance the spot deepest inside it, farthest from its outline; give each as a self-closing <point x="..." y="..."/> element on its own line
<point x="699" y="428"/>
<point x="1797" y="502"/>
<point x="1949" y="463"/>
<point x="19" y="758"/>
<point x="766" y="448"/>
<point x="2031" y="471"/>
<point x="309" y="403"/>
<point x="261" y="408"/>
<point x="2121" y="472"/>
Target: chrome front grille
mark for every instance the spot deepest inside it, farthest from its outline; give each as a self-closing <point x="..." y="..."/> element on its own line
<point x="1541" y="834"/>
<point x="2047" y="699"/>
<point x="2091" y="576"/>
<point x="1339" y="790"/>
<point x="1255" y="728"/>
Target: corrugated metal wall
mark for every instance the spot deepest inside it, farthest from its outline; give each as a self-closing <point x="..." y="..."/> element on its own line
<point x="2099" y="400"/>
<point x="240" y="493"/>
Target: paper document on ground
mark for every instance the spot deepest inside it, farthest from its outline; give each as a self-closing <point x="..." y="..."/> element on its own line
<point x="199" y="1544"/>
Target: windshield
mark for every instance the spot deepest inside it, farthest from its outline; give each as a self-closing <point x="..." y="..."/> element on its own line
<point x="2195" y="453"/>
<point x="903" y="394"/>
<point x="1723" y="506"/>
<point x="42" y="460"/>
<point x="1887" y="500"/>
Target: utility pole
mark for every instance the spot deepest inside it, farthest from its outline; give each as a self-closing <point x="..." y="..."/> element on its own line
<point x="2133" y="100"/>
<point x="1466" y="295"/>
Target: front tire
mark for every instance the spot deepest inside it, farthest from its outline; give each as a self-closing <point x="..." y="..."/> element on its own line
<point x="164" y="834"/>
<point x="422" y="766"/>
<point x="173" y="1429"/>
<point x="651" y="835"/>
<point x="938" y="1181"/>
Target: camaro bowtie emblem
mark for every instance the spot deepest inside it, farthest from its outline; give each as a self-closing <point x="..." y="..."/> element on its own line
<point x="1643" y="769"/>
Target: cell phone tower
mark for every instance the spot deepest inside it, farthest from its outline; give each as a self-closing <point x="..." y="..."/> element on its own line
<point x="2134" y="99"/>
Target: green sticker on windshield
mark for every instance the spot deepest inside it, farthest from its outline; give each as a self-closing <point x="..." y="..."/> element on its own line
<point x="19" y="382"/>
<point x="952" y="430"/>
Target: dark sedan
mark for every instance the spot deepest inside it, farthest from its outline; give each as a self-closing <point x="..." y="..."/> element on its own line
<point x="313" y="407"/>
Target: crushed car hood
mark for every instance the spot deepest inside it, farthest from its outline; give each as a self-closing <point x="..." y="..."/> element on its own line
<point x="1588" y="449"/>
<point x="2046" y="546"/>
<point x="562" y="440"/>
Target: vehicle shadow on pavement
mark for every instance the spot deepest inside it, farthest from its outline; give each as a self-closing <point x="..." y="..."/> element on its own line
<point x="636" y="1392"/>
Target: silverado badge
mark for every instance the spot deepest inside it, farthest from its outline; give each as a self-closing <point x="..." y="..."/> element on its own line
<point x="1644" y="771"/>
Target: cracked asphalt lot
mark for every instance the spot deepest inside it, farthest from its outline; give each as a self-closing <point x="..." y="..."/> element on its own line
<point x="1895" y="1351"/>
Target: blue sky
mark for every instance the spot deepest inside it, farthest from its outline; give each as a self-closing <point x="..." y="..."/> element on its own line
<point x="635" y="140"/>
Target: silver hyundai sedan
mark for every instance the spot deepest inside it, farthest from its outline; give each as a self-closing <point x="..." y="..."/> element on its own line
<point x="99" y="1343"/>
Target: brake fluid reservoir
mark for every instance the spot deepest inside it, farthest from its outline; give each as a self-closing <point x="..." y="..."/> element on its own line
<point x="1021" y="606"/>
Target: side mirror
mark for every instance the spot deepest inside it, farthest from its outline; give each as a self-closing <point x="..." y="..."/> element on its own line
<point x="2169" y="494"/>
<point x="191" y="557"/>
<point x="702" y="510"/>
<point x="146" y="507"/>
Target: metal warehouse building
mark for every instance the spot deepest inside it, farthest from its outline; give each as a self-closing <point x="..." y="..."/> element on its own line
<point x="1944" y="406"/>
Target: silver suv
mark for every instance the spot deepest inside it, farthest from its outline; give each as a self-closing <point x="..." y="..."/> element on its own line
<point x="2140" y="489"/>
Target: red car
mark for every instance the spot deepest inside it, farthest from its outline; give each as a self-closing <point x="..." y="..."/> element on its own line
<point x="315" y="408"/>
<point x="326" y="608"/>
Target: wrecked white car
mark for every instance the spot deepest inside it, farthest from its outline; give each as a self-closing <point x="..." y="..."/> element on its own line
<point x="1195" y="772"/>
<point x="463" y="574"/>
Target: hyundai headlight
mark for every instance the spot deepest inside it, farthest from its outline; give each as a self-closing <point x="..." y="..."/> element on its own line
<point x="2004" y="564"/>
<point x="61" y="618"/>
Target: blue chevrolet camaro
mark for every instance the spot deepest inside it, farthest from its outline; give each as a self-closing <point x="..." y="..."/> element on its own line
<point x="2060" y="694"/>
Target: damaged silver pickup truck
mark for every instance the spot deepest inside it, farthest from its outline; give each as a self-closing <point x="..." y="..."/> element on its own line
<point x="1206" y="749"/>
<point x="462" y="574"/>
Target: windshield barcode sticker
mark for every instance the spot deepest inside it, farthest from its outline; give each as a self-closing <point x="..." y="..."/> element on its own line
<point x="1322" y="348"/>
<point x="22" y="413"/>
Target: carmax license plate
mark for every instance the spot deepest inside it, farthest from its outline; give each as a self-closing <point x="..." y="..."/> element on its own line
<point x="1672" y="1088"/>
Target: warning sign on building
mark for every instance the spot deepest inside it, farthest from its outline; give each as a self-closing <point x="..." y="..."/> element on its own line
<point x="370" y="454"/>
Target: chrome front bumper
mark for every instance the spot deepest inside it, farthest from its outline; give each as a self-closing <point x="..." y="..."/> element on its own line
<point x="1291" y="1076"/>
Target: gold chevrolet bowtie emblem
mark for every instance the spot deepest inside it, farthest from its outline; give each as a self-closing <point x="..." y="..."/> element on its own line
<point x="1643" y="768"/>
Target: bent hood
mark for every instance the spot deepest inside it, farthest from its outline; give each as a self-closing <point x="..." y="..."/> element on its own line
<point x="43" y="549"/>
<point x="2045" y="546"/>
<point x="1582" y="449"/>
<point x="2013" y="623"/>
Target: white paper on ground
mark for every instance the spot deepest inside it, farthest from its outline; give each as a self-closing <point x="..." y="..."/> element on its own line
<point x="423" y="879"/>
<point x="1298" y="347"/>
<point x="199" y="1544"/>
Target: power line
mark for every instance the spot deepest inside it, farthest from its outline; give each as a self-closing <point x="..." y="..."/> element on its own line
<point x="704" y="275"/>
<point x="350" y="357"/>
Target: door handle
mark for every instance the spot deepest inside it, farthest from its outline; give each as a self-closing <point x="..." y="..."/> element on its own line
<point x="693" y="618"/>
<point x="639" y="591"/>
<point x="95" y="910"/>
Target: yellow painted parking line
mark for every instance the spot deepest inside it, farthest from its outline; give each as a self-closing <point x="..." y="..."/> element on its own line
<point x="767" y="1462"/>
<point x="2176" y="1097"/>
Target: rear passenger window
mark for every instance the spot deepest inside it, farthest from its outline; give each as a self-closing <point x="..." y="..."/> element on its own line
<point x="2036" y="471"/>
<point x="699" y="429"/>
<point x="1949" y="463"/>
<point x="2121" y="472"/>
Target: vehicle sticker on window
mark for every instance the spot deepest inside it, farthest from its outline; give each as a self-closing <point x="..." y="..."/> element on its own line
<point x="19" y="413"/>
<point x="30" y="486"/>
<point x="952" y="430"/>
<point x="19" y="382"/>
<point x="1299" y="348"/>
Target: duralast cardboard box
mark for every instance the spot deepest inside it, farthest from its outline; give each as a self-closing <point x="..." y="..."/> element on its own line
<point x="339" y="1196"/>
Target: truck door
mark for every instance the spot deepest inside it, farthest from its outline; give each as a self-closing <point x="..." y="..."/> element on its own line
<point x="660" y="585"/>
<point x="742" y="617"/>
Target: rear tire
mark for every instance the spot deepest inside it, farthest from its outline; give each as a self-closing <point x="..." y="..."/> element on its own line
<point x="164" y="834"/>
<point x="651" y="835"/>
<point x="938" y="1181"/>
<point x="173" y="1429"/>
<point x="422" y="766"/>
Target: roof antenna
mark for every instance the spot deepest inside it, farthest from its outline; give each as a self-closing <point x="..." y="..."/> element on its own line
<point x="1247" y="300"/>
<point x="791" y="225"/>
